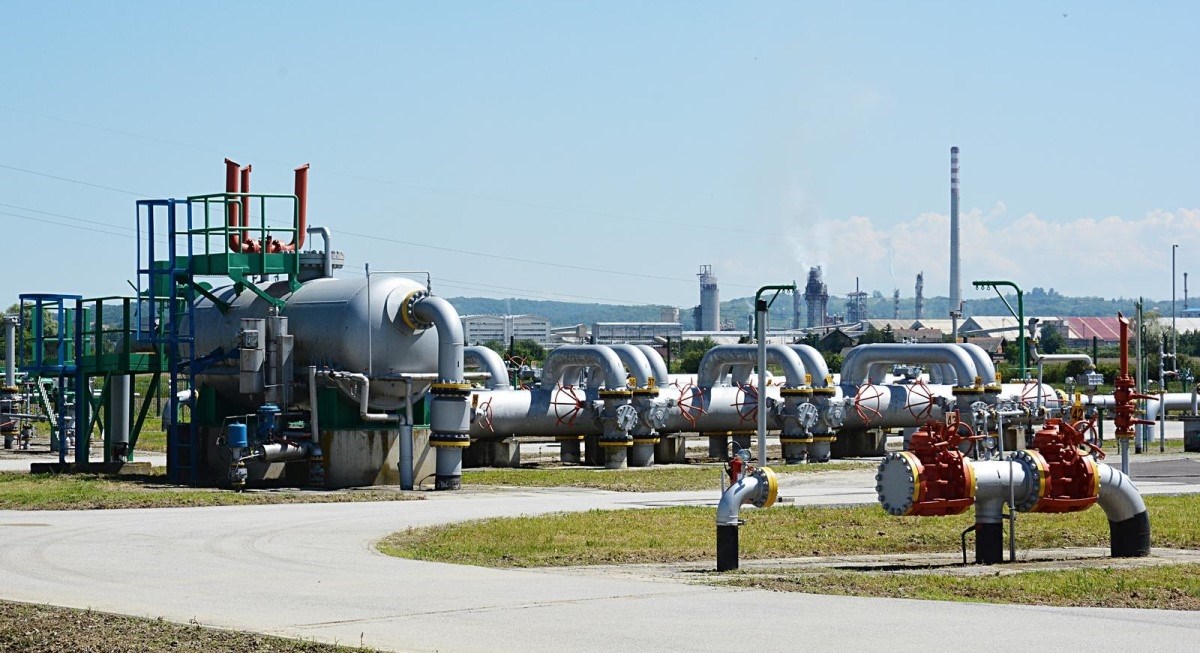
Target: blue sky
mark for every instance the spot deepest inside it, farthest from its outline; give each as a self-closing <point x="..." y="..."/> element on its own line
<point x="604" y="151"/>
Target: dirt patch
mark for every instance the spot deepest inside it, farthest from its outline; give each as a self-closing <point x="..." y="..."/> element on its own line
<point x="50" y="629"/>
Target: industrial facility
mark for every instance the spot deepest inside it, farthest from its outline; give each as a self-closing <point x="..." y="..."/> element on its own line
<point x="272" y="370"/>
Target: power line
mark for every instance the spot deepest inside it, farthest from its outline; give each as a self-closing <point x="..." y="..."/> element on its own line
<point x="62" y="224"/>
<point x="415" y="186"/>
<point x="73" y="181"/>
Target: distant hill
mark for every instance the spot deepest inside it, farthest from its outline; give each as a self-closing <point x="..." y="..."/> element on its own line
<point x="734" y="312"/>
<point x="559" y="313"/>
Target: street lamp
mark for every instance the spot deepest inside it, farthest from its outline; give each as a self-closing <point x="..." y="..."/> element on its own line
<point x="1174" y="337"/>
<point x="761" y="306"/>
<point x="1019" y="313"/>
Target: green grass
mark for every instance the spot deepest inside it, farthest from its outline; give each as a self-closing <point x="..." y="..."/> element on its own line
<point x="98" y="492"/>
<point x="650" y="479"/>
<point x="1172" y="587"/>
<point x="680" y="534"/>
<point x="1113" y="451"/>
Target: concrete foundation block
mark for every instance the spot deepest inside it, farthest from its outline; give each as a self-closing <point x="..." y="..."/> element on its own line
<point x="671" y="449"/>
<point x="859" y="445"/>
<point x="493" y="453"/>
<point x="570" y="451"/>
<point x="641" y="455"/>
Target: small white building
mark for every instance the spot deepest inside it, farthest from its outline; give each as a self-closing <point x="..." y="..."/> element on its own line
<point x="478" y="329"/>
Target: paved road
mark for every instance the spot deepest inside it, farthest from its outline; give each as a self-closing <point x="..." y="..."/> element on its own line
<point x="311" y="571"/>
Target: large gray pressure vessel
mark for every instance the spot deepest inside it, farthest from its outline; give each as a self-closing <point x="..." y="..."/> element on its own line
<point x="329" y="319"/>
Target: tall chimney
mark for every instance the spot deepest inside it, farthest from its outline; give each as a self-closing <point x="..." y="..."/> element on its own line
<point x="955" y="281"/>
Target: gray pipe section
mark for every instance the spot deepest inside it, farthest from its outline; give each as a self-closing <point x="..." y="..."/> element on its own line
<point x="1119" y="499"/>
<point x="662" y="376"/>
<point x="119" y="400"/>
<point x="814" y="362"/>
<point x="984" y="366"/>
<point x="718" y="359"/>
<point x="10" y="351"/>
<point x="992" y="488"/>
<point x="567" y="356"/>
<point x="327" y="272"/>
<point x="855" y="369"/>
<point x="637" y="363"/>
<point x="752" y="488"/>
<point x="491" y="363"/>
<point x="450" y="335"/>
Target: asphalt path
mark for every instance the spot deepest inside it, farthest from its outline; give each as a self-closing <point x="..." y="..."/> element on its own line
<point x="312" y="571"/>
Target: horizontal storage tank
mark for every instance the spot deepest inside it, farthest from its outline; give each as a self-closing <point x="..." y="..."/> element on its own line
<point x="329" y="320"/>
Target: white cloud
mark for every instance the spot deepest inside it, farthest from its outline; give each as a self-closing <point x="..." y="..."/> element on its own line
<point x="1110" y="257"/>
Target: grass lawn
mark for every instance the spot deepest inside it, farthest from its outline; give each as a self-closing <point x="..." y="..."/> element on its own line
<point x="20" y="491"/>
<point x="683" y="534"/>
<point x="649" y="479"/>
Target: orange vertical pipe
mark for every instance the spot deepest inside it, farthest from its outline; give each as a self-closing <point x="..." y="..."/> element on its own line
<point x="245" y="188"/>
<point x="302" y="208"/>
<point x="231" y="207"/>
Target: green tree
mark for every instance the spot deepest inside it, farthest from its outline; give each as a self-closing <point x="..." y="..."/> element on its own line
<point x="1052" y="341"/>
<point x="691" y="352"/>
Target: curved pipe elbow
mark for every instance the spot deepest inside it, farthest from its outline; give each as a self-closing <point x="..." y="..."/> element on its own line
<point x="814" y="362"/>
<point x="450" y="335"/>
<point x="759" y="489"/>
<point x="662" y="376"/>
<point x="856" y="367"/>
<point x="559" y="361"/>
<point x="636" y="361"/>
<point x="719" y="359"/>
<point x="491" y="363"/>
<point x="1128" y="520"/>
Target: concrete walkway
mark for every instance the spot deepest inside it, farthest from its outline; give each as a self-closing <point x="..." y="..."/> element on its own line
<point x="311" y="571"/>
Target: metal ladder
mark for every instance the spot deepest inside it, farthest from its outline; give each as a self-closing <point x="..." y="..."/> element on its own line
<point x="177" y="338"/>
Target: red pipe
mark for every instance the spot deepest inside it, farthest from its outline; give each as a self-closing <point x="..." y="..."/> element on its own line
<point x="248" y="244"/>
<point x="301" y="210"/>
<point x="232" y="208"/>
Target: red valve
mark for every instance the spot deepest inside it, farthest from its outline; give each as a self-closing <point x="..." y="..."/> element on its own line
<point x="1123" y="394"/>
<point x="1069" y="476"/>
<point x="735" y="469"/>
<point x="943" y="481"/>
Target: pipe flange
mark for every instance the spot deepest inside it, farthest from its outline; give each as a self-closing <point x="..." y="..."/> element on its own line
<point x="446" y="440"/>
<point x="645" y="392"/>
<point x="966" y="390"/>
<point x="796" y="392"/>
<point x="451" y="389"/>
<point x="645" y="441"/>
<point x="408" y="309"/>
<point x="795" y="439"/>
<point x="898" y="483"/>
<point x="609" y="394"/>
<point x="569" y="438"/>
<point x="1037" y="470"/>
<point x="825" y="392"/>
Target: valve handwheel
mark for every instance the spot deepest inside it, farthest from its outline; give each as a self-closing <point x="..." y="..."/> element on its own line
<point x="920" y="401"/>
<point x="691" y="403"/>
<point x="567" y="402"/>
<point x="867" y="393"/>
<point x="485" y="412"/>
<point x="747" y="402"/>
<point x="1083" y="427"/>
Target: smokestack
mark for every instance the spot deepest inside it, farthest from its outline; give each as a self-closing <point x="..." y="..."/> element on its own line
<point x="955" y="281"/>
<point x="796" y="302"/>
<point x="920" y="294"/>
